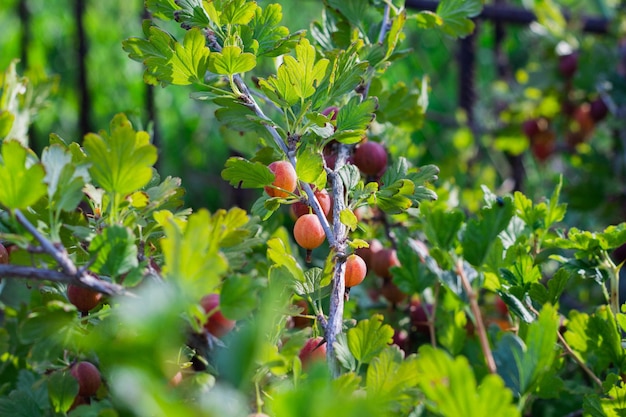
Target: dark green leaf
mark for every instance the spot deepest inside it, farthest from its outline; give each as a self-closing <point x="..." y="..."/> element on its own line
<point x="481" y="232"/>
<point x="441" y="224"/>
<point x="62" y="389"/>
<point x="456" y="16"/>
<point x="354" y="118"/>
<point x="238" y="297"/>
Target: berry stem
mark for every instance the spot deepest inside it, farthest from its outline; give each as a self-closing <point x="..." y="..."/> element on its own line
<point x="480" y="326"/>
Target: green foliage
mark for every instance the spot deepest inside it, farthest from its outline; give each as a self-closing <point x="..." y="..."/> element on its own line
<point x="478" y="301"/>
<point x="23" y="181"/>
<point x="451" y="389"/>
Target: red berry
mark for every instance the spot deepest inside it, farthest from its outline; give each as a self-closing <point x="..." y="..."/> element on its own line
<point x="4" y="254"/>
<point x="312" y="351"/>
<point x="568" y="64"/>
<point x="543" y="144"/>
<point x="286" y="179"/>
<point x="582" y="126"/>
<point x="599" y="109"/>
<point x="332" y="109"/>
<point x="216" y="323"/>
<point x="401" y="339"/>
<point x="308" y="232"/>
<point x="370" y="158"/>
<point x="83" y="298"/>
<point x="391" y="292"/>
<point x="88" y="377"/>
<point x="419" y="316"/>
<point x="300" y="208"/>
<point x="501" y="307"/>
<point x="355" y="270"/>
<point x="383" y="261"/>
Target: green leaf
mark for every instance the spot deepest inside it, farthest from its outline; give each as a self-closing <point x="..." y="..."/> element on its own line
<point x="427" y="20"/>
<point x="555" y="211"/>
<point x="369" y="338"/>
<point x="121" y="162"/>
<point x="419" y="270"/>
<point x="451" y="330"/>
<point x="162" y="9"/>
<point x="191" y="13"/>
<point x="192" y="254"/>
<point x="347" y="217"/>
<point x="556" y="286"/>
<point x="277" y="253"/>
<point x="264" y="31"/>
<point x="441" y="225"/>
<point x="451" y="390"/>
<point x="456" y="16"/>
<point x="350" y="176"/>
<point x="229" y="12"/>
<point x="524" y="365"/>
<point x="240" y="172"/>
<point x="309" y="165"/>
<point x="346" y="73"/>
<point x="392" y="380"/>
<point x="297" y="78"/>
<point x="595" y="339"/>
<point x="394" y="198"/>
<point x="481" y="232"/>
<point x="6" y="123"/>
<point x="354" y="118"/>
<point x="62" y="389"/>
<point x="64" y="178"/>
<point x="522" y="272"/>
<point x="231" y="61"/>
<point x="549" y="15"/>
<point x="168" y="61"/>
<point x="399" y="104"/>
<point x="22" y="180"/>
<point x="114" y="250"/>
<point x="238" y="296"/>
<point x="342" y="351"/>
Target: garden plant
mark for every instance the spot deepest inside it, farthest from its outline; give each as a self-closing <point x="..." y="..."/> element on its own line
<point x="359" y="282"/>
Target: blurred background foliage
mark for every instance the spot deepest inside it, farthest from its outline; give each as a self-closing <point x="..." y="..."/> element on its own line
<point x="515" y="72"/>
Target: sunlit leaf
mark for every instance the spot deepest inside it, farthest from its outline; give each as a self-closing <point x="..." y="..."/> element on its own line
<point x="22" y="181"/>
<point x="369" y="338"/>
<point x="121" y="162"/>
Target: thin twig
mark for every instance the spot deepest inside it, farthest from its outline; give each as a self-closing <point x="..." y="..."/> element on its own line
<point x="69" y="271"/>
<point x="480" y="326"/>
<point x="580" y="363"/>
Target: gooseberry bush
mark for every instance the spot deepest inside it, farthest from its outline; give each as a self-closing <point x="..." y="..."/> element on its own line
<point x="354" y="286"/>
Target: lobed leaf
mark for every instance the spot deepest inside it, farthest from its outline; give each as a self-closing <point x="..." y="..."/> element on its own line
<point x="168" y="61"/>
<point x="121" y="162"/>
<point x="369" y="338"/>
